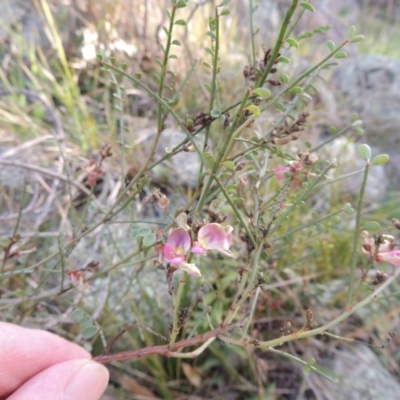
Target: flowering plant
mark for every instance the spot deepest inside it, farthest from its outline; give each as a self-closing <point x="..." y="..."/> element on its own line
<point x="381" y="248"/>
<point x="211" y="236"/>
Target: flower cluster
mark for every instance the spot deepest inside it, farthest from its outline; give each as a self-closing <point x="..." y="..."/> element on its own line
<point x="211" y="236"/>
<point x="294" y="168"/>
<point x="381" y="248"/>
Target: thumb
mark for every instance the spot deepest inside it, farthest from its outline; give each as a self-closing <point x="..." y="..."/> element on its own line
<point x="69" y="380"/>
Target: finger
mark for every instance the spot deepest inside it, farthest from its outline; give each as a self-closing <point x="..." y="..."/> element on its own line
<point x="69" y="380"/>
<point x="25" y="352"/>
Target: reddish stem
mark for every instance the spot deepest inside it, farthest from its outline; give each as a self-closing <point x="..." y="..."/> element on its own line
<point x="164" y="350"/>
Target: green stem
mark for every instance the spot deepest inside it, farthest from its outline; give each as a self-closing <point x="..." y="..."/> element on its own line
<point x="242" y="295"/>
<point x="311" y="223"/>
<point x="300" y="197"/>
<point x="164" y="69"/>
<point x="356" y="240"/>
<point x="221" y="155"/>
<point x="236" y="212"/>
<point x="177" y="303"/>
<point x="253" y="307"/>
<point x="304" y="363"/>
<point x="252" y="34"/>
<point x="317" y="331"/>
<point x="278" y="44"/>
<point x="331" y="139"/>
<point x="213" y="92"/>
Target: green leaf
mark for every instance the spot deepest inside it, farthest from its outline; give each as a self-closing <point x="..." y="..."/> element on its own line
<point x="296" y="89"/>
<point x="232" y="188"/>
<point x="181" y="3"/>
<point x="262" y="92"/>
<point x="165" y="30"/>
<point x="365" y="152"/>
<point x="238" y="201"/>
<point x="253" y="109"/>
<point x="211" y="34"/>
<point x="284" y="60"/>
<point x="89" y="332"/>
<point x="176" y="42"/>
<point x="225" y="11"/>
<point x="143" y="231"/>
<point x="209" y="51"/>
<point x="333" y="129"/>
<point x="173" y="56"/>
<point x="77" y="315"/>
<point x="331" y="45"/>
<point x="229" y="165"/>
<point x="180" y="22"/>
<point x="209" y="160"/>
<point x="359" y="131"/>
<point x="380" y="159"/>
<point x="357" y="38"/>
<point x="312" y="361"/>
<point x="84" y="322"/>
<point x="329" y="65"/>
<point x="306" y="34"/>
<point x="293" y="42"/>
<point x="352" y="31"/>
<point x="215" y="113"/>
<point x="225" y="175"/>
<point x="341" y="54"/>
<point x="372" y="226"/>
<point x="308" y="7"/>
<point x="279" y="106"/>
<point x="207" y="86"/>
<point x="206" y="64"/>
<point x="356" y="123"/>
<point x="149" y="240"/>
<point x="348" y="209"/>
<point x="284" y="77"/>
<point x="134" y="231"/>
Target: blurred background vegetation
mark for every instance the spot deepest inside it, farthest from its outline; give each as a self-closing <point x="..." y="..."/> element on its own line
<point x="59" y="108"/>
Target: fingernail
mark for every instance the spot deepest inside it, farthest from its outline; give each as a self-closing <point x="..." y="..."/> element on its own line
<point x="89" y="382"/>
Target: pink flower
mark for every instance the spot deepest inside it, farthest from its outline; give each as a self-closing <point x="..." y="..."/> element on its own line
<point x="178" y="244"/>
<point x="214" y="237"/>
<point x="210" y="237"/>
<point x="392" y="257"/>
<point x="293" y="167"/>
<point x="385" y="244"/>
<point x="280" y="172"/>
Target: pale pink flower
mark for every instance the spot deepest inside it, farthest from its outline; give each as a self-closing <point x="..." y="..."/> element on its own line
<point x="280" y="172"/>
<point x="178" y="244"/>
<point x="392" y="257"/>
<point x="386" y="244"/>
<point x="293" y="167"/>
<point x="214" y="237"/>
<point x="210" y="237"/>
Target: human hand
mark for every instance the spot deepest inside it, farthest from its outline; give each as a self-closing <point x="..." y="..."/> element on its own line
<point x="37" y="365"/>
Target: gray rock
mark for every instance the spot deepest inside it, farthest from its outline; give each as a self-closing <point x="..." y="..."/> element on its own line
<point x="370" y="86"/>
<point x="361" y="377"/>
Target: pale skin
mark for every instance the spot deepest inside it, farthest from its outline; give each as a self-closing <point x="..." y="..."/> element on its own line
<point x="36" y="364"/>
